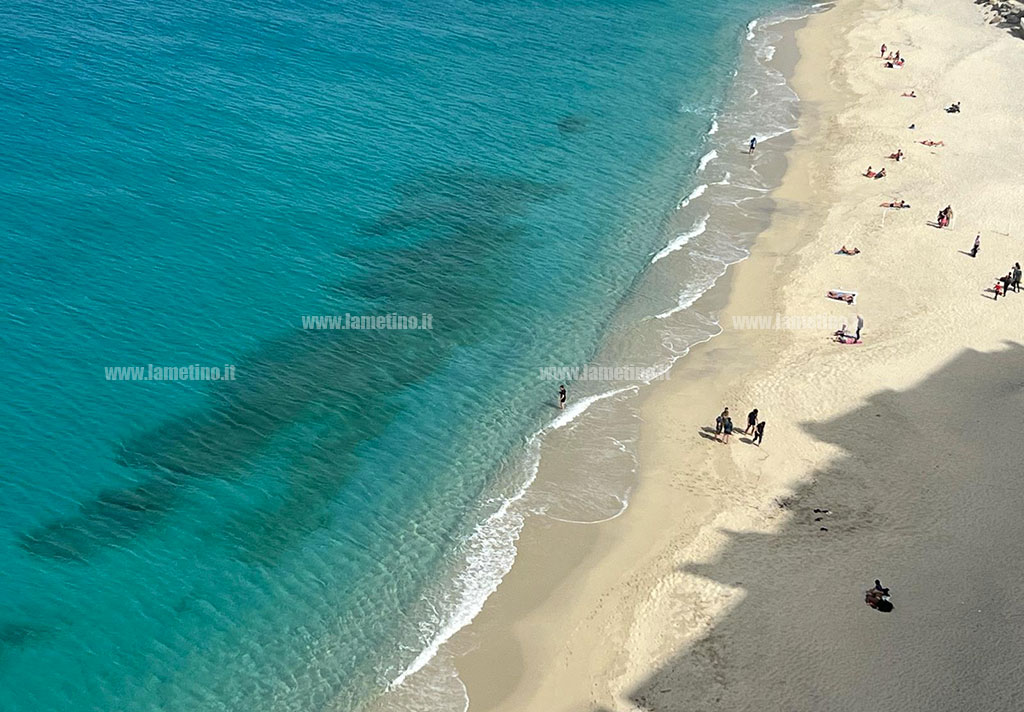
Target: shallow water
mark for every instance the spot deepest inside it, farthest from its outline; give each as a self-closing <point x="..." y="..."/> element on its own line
<point x="184" y="183"/>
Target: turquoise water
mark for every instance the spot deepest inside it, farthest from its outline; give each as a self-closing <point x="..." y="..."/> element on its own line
<point x="181" y="183"/>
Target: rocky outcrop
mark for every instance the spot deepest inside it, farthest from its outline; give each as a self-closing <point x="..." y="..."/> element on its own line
<point x="1005" y="13"/>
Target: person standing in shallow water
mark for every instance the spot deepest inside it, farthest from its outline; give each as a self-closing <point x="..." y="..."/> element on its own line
<point x="562" y="395"/>
<point x="753" y="144"/>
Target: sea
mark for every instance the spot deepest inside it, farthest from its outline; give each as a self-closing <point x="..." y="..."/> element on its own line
<point x="212" y="496"/>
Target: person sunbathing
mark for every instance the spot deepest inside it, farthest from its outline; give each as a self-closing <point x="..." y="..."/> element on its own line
<point x="898" y="156"/>
<point x="880" y="174"/>
<point x="841" y="296"/>
<point x="869" y="173"/>
<point x="910" y="95"/>
<point x="929" y="142"/>
<point x="953" y="108"/>
<point x="899" y="204"/>
<point x="847" y="251"/>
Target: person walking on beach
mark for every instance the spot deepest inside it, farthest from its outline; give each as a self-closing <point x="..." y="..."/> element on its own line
<point x="860" y="325"/>
<point x="720" y="423"/>
<point x="562" y="395"/>
<point x="759" y="434"/>
<point x="753" y="144"/>
<point x="1006" y="279"/>
<point x="977" y="245"/>
<point x="751" y="422"/>
<point x="1016" y="277"/>
<point x="727" y="430"/>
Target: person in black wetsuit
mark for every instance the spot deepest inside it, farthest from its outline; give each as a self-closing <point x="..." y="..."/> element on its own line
<point x="561" y="397"/>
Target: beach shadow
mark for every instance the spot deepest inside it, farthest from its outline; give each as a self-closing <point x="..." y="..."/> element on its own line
<point x="966" y="253"/>
<point x="922" y="503"/>
<point x="708" y="434"/>
<point x="748" y="441"/>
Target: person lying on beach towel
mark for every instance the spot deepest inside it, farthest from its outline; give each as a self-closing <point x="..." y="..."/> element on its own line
<point x="869" y="173"/>
<point x="910" y="94"/>
<point x="898" y="156"/>
<point x="844" y="250"/>
<point x="842" y="296"/>
<point x="929" y="142"/>
<point x="898" y="204"/>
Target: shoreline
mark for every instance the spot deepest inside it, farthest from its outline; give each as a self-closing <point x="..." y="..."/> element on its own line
<point x="625" y="614"/>
<point x="554" y="557"/>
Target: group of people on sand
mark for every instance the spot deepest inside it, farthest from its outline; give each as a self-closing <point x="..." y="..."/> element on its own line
<point x="724" y="427"/>
<point x="892" y="60"/>
<point x="842" y="337"/>
<point x="1010" y="280"/>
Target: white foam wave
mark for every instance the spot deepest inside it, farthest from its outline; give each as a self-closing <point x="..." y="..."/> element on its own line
<point x="714" y="128"/>
<point x="707" y="158"/>
<point x="489" y="553"/>
<point x="695" y="193"/>
<point x="750" y="29"/>
<point x="698" y="229"/>
<point x="580" y="407"/>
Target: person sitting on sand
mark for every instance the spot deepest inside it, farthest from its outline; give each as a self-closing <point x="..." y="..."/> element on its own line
<point x="881" y="589"/>
<point x="869" y="173"/>
<point x="847" y="251"/>
<point x="897" y="56"/>
<point x="929" y="142"/>
<point x="880" y="174"/>
<point x="890" y="65"/>
<point x="953" y="108"/>
<point x="898" y="156"/>
<point x="841" y="296"/>
<point x="899" y="62"/>
<point x="910" y="94"/>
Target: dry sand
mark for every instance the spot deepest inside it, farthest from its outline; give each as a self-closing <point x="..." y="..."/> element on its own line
<point x="718" y="589"/>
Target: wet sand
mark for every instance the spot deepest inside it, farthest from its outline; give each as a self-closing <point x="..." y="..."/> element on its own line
<point x="717" y="588"/>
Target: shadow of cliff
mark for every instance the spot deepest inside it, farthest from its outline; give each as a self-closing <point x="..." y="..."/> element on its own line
<point x="927" y="497"/>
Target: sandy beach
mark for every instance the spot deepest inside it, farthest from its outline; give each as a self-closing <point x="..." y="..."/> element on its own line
<point x="721" y="587"/>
